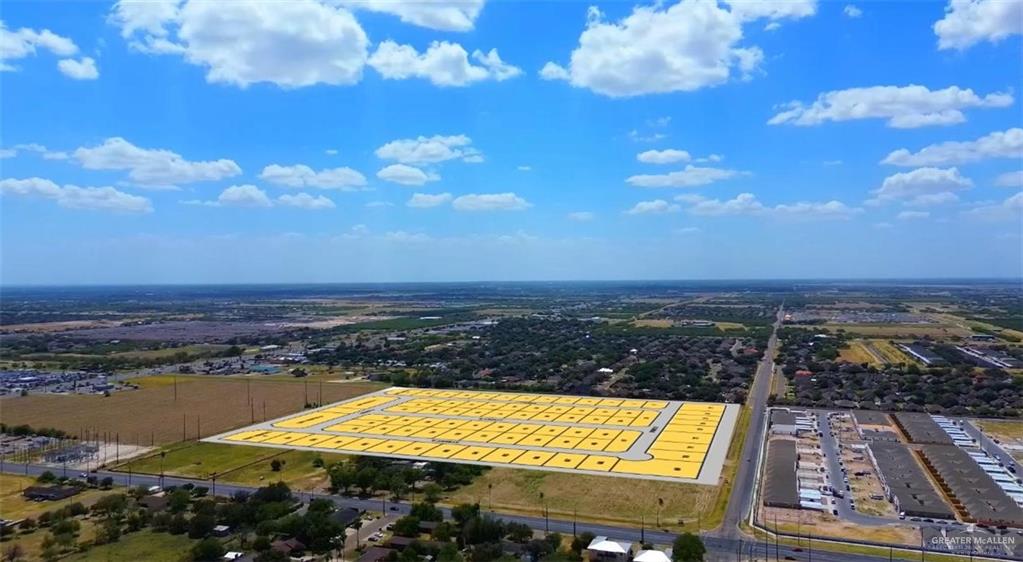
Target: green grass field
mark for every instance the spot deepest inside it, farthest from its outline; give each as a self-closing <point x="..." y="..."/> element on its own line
<point x="144" y="545"/>
<point x="199" y="460"/>
<point x="297" y="471"/>
<point x="237" y="464"/>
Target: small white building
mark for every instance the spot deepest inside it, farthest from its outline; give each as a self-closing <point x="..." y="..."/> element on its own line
<point x="603" y="549"/>
<point x="651" y="556"/>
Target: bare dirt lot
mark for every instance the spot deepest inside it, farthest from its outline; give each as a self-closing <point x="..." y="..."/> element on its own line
<point x="152" y="414"/>
<point x="181" y="331"/>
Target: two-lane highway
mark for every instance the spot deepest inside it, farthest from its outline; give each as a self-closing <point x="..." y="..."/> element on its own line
<point x="741" y="498"/>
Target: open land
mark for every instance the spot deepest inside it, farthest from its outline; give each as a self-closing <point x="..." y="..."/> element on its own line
<point x="158" y="411"/>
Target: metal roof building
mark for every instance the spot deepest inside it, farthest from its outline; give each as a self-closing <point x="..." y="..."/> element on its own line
<point x="921" y="428"/>
<point x="870" y="417"/>
<point x="905" y="482"/>
<point x="974" y="493"/>
<point x="780" y="486"/>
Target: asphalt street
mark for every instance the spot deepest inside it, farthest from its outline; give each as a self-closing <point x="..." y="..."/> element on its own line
<point x="719" y="548"/>
<point x="740" y="500"/>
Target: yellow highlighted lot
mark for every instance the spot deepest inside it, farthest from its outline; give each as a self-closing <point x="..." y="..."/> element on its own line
<point x="617" y="436"/>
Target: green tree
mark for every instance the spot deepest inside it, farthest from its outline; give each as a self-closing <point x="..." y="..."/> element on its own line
<point x="201" y="526"/>
<point x="342" y="477"/>
<point x="688" y="548"/>
<point x="46" y="477"/>
<point x="432" y="492"/>
<point x="208" y="549"/>
<point x="407" y="526"/>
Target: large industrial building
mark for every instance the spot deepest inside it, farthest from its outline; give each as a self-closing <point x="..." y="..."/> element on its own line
<point x="905" y="483"/>
<point x="973" y="492"/>
<point x="921" y="429"/>
<point x="781" y="487"/>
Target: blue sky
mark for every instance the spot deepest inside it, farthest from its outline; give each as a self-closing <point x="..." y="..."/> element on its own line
<point x="180" y="142"/>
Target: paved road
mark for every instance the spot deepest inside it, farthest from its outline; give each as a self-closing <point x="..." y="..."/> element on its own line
<point x="739" y="502"/>
<point x="832" y="455"/>
<point x="992" y="448"/>
<point x="719" y="548"/>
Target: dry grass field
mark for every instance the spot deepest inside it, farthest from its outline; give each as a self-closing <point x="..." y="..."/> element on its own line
<point x="152" y="413"/>
<point x="596" y="498"/>
<point x="857" y="353"/>
<point x="901" y="330"/>
<point x="890" y="353"/>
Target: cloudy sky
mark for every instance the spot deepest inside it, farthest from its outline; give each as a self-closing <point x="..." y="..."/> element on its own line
<point x="383" y="140"/>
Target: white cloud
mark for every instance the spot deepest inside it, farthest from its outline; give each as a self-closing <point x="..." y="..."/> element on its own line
<point x="379" y="204"/>
<point x="8" y="153"/>
<point x="912" y="215"/>
<point x="690" y="176"/>
<point x="667" y="156"/>
<point x="305" y="201"/>
<point x="427" y="200"/>
<point x="74" y="197"/>
<point x="636" y="136"/>
<point x="828" y="210"/>
<point x="300" y="175"/>
<point x="968" y="22"/>
<point x="443" y="64"/>
<point x="406" y="175"/>
<point x="852" y="11"/>
<point x="553" y="71"/>
<point x="403" y="236"/>
<point x="291" y="44"/>
<point x="581" y="216"/>
<point x="772" y="26"/>
<point x="152" y="167"/>
<point x="654" y="207"/>
<point x="20" y="43"/>
<point x="524" y="168"/>
<point x="429" y="150"/>
<point x="442" y="15"/>
<point x="748" y="10"/>
<point x="687" y="230"/>
<point x="490" y="202"/>
<point x="932" y="199"/>
<point x="922" y="186"/>
<point x="999" y="144"/>
<point x="687" y="46"/>
<point x="1010" y="209"/>
<point x="904" y="107"/>
<point x="742" y="204"/>
<point x="331" y="152"/>
<point x="243" y="196"/>
<point x="748" y="204"/>
<point x="1010" y="179"/>
<point x="82" y="69"/>
<point x="41" y="150"/>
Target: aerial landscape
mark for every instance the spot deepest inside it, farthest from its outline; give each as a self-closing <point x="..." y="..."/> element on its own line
<point x="471" y="281"/>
